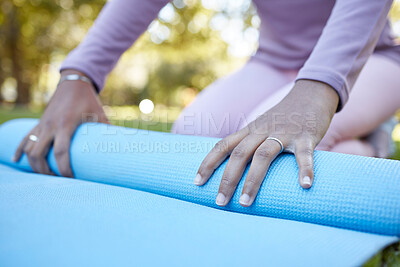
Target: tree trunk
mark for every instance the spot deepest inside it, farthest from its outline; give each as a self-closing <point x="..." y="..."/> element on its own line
<point x="14" y="35"/>
<point x="2" y="77"/>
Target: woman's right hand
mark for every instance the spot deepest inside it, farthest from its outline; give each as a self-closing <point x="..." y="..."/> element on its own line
<point x="73" y="103"/>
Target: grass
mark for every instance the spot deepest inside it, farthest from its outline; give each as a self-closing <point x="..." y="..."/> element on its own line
<point x="396" y="154"/>
<point x="9" y="114"/>
<point x="389" y="257"/>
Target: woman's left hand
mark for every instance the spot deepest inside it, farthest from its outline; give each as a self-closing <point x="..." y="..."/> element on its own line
<point x="299" y="121"/>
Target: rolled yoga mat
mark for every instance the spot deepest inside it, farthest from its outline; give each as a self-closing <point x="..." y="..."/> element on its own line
<point x="349" y="193"/>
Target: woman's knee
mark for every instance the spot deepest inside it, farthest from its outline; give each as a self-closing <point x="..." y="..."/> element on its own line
<point x="224" y="106"/>
<point x="354" y="147"/>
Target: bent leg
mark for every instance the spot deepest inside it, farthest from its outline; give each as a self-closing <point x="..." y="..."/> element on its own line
<point x="354" y="147"/>
<point x="374" y="99"/>
<point x="220" y="109"/>
<point x="268" y="103"/>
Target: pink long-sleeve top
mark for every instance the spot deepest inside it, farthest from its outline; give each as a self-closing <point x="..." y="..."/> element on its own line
<point x="326" y="40"/>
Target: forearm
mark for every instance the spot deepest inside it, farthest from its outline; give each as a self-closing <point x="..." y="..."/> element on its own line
<point x="118" y="26"/>
<point x="346" y="43"/>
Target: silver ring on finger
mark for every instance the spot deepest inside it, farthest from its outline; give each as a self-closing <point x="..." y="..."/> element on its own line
<point x="276" y="140"/>
<point x="33" y="138"/>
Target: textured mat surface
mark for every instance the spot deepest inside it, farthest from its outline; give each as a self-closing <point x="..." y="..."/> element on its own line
<point x="349" y="192"/>
<point x="47" y="221"/>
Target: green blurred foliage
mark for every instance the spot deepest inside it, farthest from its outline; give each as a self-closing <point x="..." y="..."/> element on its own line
<point x="37" y="35"/>
<point x="180" y="50"/>
<point x="31" y="31"/>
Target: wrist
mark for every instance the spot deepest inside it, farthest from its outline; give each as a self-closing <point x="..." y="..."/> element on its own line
<point x="317" y="93"/>
<point x="84" y="78"/>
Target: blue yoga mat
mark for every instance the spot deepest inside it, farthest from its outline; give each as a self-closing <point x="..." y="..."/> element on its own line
<point x="352" y="210"/>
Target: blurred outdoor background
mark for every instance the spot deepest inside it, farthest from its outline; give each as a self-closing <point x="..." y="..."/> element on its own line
<point x="186" y="48"/>
<point x="189" y="45"/>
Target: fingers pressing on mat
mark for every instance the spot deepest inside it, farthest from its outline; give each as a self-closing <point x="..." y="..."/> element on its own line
<point x="61" y="152"/>
<point x="304" y="151"/>
<point x="238" y="160"/>
<point x="217" y="155"/>
<point x="263" y="156"/>
<point x="35" y="151"/>
<point x="73" y="103"/>
<point x="295" y="125"/>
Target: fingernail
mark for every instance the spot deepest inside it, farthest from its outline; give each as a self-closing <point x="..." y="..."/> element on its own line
<point x="197" y="179"/>
<point x="220" y="199"/>
<point x="244" y="199"/>
<point x="307" y="180"/>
